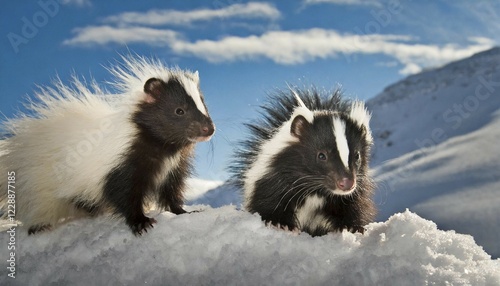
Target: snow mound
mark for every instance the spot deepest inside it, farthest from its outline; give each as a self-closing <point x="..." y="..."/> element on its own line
<point x="224" y="194"/>
<point x="225" y="246"/>
<point x="196" y="187"/>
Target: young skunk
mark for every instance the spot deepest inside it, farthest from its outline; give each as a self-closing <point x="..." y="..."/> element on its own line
<point x="305" y="165"/>
<point x="84" y="152"/>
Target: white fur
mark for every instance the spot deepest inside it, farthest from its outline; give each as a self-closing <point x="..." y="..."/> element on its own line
<point x="76" y="138"/>
<point x="192" y="89"/>
<point x="344" y="193"/>
<point x="281" y="139"/>
<point x="341" y="140"/>
<point x="361" y="116"/>
<point x="307" y="215"/>
<point x="168" y="166"/>
<point x="308" y="115"/>
<point x="297" y="97"/>
<point x="135" y="71"/>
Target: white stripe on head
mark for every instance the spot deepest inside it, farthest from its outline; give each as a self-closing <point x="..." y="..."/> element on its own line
<point x="192" y="90"/>
<point x="341" y="140"/>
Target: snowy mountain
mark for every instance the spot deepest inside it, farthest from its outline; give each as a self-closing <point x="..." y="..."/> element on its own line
<point x="436" y="147"/>
<point x="428" y="108"/>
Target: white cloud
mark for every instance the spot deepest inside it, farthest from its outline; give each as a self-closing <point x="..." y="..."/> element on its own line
<point x="295" y="47"/>
<point x="283" y="47"/>
<point x="410" y="68"/>
<point x="102" y="35"/>
<point x="287" y="47"/>
<point x="373" y="3"/>
<point x="173" y="17"/>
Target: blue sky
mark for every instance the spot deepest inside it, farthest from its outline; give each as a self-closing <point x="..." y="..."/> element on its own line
<point x="242" y="49"/>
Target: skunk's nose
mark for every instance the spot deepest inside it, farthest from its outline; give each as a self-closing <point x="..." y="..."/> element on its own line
<point x="345" y="184"/>
<point x="207" y="131"/>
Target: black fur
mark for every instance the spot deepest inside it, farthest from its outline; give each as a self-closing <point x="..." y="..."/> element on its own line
<point x="170" y="196"/>
<point x="164" y="131"/>
<point x="296" y="172"/>
<point x="91" y="209"/>
<point x="38" y="228"/>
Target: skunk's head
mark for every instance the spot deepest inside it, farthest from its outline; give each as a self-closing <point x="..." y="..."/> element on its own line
<point x="174" y="110"/>
<point x="332" y="150"/>
<point x="324" y="149"/>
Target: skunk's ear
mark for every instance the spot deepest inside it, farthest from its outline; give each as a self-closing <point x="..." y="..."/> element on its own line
<point x="153" y="89"/>
<point x="299" y="125"/>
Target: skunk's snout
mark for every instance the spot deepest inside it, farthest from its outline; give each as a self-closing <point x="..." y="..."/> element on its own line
<point x="207" y="130"/>
<point x="345" y="184"/>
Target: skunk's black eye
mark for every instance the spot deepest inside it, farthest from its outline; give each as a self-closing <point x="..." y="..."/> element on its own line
<point x="322" y="156"/>
<point x="179" y="111"/>
<point x="357" y="158"/>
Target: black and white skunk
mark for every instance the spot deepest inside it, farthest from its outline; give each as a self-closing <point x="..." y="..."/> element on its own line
<point x="84" y="151"/>
<point x="305" y="165"/>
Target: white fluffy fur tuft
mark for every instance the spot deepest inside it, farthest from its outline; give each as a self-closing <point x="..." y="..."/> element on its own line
<point x="135" y="71"/>
<point x="74" y="137"/>
<point x="361" y="116"/>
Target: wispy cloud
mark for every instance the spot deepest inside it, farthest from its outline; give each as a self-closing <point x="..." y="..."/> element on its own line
<point x="296" y="47"/>
<point x="103" y="35"/>
<point x="174" y="17"/>
<point x="282" y="47"/>
<point x="288" y="47"/>
<point x="373" y="3"/>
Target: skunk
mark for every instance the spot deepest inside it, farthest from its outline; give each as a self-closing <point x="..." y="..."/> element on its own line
<point x="83" y="151"/>
<point x="305" y="164"/>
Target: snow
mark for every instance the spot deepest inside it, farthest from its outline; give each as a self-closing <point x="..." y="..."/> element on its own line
<point x="224" y="194"/>
<point x="198" y="187"/>
<point x="427" y="109"/>
<point x="456" y="184"/>
<point x="226" y="246"/>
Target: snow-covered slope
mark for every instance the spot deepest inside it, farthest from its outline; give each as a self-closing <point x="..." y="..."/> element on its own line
<point x="436" y="137"/>
<point x="456" y="184"/>
<point x="225" y="246"/>
<point x="225" y="194"/>
<point x="428" y="108"/>
<point x="197" y="188"/>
